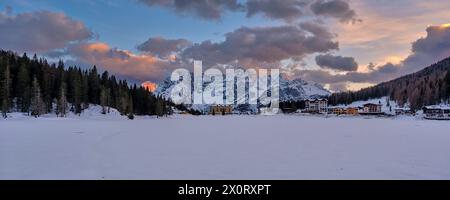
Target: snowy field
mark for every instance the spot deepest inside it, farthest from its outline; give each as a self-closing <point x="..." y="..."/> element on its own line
<point x="224" y="147"/>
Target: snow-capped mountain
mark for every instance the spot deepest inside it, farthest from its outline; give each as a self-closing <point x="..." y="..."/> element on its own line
<point x="290" y="90"/>
<point x="298" y="89"/>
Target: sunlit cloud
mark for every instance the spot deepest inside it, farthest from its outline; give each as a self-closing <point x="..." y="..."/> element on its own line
<point x="150" y="86"/>
<point x="121" y="62"/>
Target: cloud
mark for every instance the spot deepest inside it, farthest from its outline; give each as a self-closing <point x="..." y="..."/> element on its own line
<point x="334" y="8"/>
<point x="339" y="87"/>
<point x="163" y="47"/>
<point x="287" y="9"/>
<point x="434" y="47"/>
<point x="150" y="86"/>
<point x="40" y="31"/>
<point x="425" y="51"/>
<point x="383" y="73"/>
<point x="206" y="9"/>
<point x="337" y="62"/>
<point x="120" y="62"/>
<point x="264" y="45"/>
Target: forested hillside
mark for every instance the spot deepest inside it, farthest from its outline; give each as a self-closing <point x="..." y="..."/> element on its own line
<point x="426" y="87"/>
<point x="32" y="85"/>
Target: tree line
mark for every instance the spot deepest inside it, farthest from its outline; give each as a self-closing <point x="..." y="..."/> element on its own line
<point x="33" y="86"/>
<point x="426" y="87"/>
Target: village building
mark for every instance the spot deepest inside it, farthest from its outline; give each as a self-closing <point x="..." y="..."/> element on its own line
<point x="316" y="105"/>
<point x="336" y="110"/>
<point x="403" y="111"/>
<point x="436" y="112"/>
<point x="371" y="109"/>
<point x="352" y="111"/>
<point x="221" y="110"/>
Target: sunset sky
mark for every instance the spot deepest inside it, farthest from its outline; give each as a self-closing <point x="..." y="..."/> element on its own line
<point x="342" y="44"/>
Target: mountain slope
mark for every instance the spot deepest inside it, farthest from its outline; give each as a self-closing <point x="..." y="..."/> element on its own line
<point x="426" y="87"/>
<point x="290" y="90"/>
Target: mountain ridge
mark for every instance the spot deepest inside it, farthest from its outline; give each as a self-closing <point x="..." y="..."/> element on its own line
<point x="428" y="86"/>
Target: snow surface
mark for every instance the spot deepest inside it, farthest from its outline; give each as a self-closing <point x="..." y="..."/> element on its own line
<point x="224" y="147"/>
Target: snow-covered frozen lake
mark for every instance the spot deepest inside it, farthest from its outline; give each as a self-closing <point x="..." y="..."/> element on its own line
<point x="224" y="147"/>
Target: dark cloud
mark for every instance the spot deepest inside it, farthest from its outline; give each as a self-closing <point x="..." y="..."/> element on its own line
<point x="383" y="73"/>
<point x="40" y="31"/>
<point x="337" y="62"/>
<point x="433" y="47"/>
<point x="206" y="9"/>
<point x="334" y="8"/>
<point x="163" y="47"/>
<point x="275" y="9"/>
<point x="287" y="10"/>
<point x="255" y="46"/>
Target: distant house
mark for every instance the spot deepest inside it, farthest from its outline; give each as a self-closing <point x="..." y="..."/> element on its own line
<point x="352" y="111"/>
<point x="221" y="110"/>
<point x="289" y="110"/>
<point x="336" y="110"/>
<point x="316" y="105"/>
<point x="403" y="111"/>
<point x="436" y="112"/>
<point x="371" y="109"/>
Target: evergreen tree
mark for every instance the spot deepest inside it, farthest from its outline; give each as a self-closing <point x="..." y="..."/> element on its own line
<point x="447" y="81"/>
<point x="94" y="86"/>
<point x="84" y="90"/>
<point x="37" y="104"/>
<point x="61" y="109"/>
<point x="34" y="85"/>
<point x="159" y="109"/>
<point x="76" y="92"/>
<point x="23" y="89"/>
<point x="130" y="108"/>
<point x="104" y="99"/>
<point x="6" y="91"/>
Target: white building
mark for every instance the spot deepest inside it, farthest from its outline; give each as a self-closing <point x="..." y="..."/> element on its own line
<point x="316" y="105"/>
<point x="437" y="112"/>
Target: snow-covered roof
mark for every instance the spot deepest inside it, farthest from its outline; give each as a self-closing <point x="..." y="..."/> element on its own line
<point x="321" y="99"/>
<point x="371" y="104"/>
<point x="442" y="107"/>
<point x="402" y="109"/>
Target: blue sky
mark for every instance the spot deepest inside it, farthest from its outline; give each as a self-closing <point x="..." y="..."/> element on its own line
<point x="124" y="25"/>
<point x="342" y="44"/>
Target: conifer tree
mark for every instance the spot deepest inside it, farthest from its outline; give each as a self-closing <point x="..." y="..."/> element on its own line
<point x="61" y="109"/>
<point x="6" y="91"/>
<point x="130" y="109"/>
<point x="94" y="86"/>
<point x="23" y="89"/>
<point x="104" y="99"/>
<point x="34" y="85"/>
<point x="76" y="92"/>
<point x="37" y="104"/>
<point x="447" y="81"/>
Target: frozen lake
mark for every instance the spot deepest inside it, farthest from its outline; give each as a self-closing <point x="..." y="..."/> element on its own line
<point x="224" y="147"/>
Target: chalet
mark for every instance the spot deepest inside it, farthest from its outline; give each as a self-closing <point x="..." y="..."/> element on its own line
<point x="436" y="112"/>
<point x="221" y="110"/>
<point x="403" y="111"/>
<point x="336" y="110"/>
<point x="352" y="111"/>
<point x="289" y="110"/>
<point x="316" y="106"/>
<point x="371" y="109"/>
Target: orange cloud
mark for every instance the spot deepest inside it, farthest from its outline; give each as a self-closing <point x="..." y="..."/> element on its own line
<point x="122" y="62"/>
<point x="150" y="86"/>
